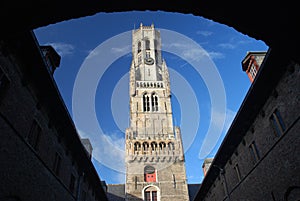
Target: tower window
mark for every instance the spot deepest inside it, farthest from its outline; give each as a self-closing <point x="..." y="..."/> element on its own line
<point x="150" y="194"/>
<point x="154" y="102"/>
<point x="139" y="47"/>
<point x="137" y="147"/>
<point x="145" y="147"/>
<point x="162" y="146"/>
<point x="147" y="45"/>
<point x="146" y="103"/>
<point x="153" y="146"/>
<point x="147" y="54"/>
<point x="171" y="146"/>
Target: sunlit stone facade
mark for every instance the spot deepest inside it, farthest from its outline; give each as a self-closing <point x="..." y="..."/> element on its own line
<point x="155" y="167"/>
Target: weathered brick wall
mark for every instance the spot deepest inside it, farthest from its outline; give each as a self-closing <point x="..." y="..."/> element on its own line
<point x="27" y="172"/>
<point x="276" y="172"/>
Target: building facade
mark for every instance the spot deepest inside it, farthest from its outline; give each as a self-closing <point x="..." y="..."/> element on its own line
<point x="155" y="164"/>
<point x="206" y="165"/>
<point x="252" y="62"/>
<point x="41" y="154"/>
<point x="258" y="158"/>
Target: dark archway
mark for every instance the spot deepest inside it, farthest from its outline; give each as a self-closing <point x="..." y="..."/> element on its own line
<point x="271" y="23"/>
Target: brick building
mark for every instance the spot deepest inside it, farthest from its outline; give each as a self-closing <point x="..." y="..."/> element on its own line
<point x="41" y="154"/>
<point x="258" y="158"/>
<point x="252" y="62"/>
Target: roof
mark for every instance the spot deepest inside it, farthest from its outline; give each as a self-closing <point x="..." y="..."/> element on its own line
<point x="246" y="60"/>
<point x="116" y="192"/>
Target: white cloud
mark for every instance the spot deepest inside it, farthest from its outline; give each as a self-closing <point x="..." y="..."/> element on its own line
<point x="62" y="49"/>
<point x="227" y="45"/>
<point x="204" y="33"/>
<point x="220" y="116"/>
<point x="122" y="50"/>
<point x="216" y="55"/>
<point x="108" y="149"/>
<point x="213" y="138"/>
<point x="188" y="51"/>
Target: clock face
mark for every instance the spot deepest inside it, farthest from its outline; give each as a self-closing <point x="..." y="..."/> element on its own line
<point x="149" y="61"/>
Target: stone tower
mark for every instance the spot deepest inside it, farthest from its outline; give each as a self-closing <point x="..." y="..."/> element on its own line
<point x="155" y="165"/>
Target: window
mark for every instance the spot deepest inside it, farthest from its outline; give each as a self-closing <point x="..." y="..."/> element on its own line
<point x="34" y="135"/>
<point x="146" y="103"/>
<point x="137" y="147"/>
<point x="150" y="194"/>
<point x="147" y="45"/>
<point x="254" y="152"/>
<point x="154" y="195"/>
<point x="154" y="102"/>
<point x="253" y="71"/>
<point x="277" y="123"/>
<point x="139" y="47"/>
<point x="57" y="163"/>
<point x="72" y="183"/>
<point x="171" y="146"/>
<point x="238" y="173"/>
<point x="147" y="196"/>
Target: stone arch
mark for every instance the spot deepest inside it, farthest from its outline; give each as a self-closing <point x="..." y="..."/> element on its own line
<point x="162" y="147"/>
<point x="153" y="146"/>
<point x="171" y="146"/>
<point x="137" y="147"/>
<point x="145" y="147"/>
<point x="147" y="190"/>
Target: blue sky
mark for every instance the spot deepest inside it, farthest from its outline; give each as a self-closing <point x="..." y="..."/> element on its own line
<point x="80" y="40"/>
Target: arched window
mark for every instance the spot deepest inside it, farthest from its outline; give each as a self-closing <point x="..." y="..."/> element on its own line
<point x="151" y="193"/>
<point x="145" y="147"/>
<point x="154" y="102"/>
<point x="137" y="147"/>
<point x="162" y="146"/>
<point x="171" y="146"/>
<point x="146" y="102"/>
<point x="153" y="146"/>
<point x="139" y="47"/>
<point x="149" y="174"/>
<point x="147" y="44"/>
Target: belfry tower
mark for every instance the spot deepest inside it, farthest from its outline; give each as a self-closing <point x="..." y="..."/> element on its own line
<point x="155" y="165"/>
